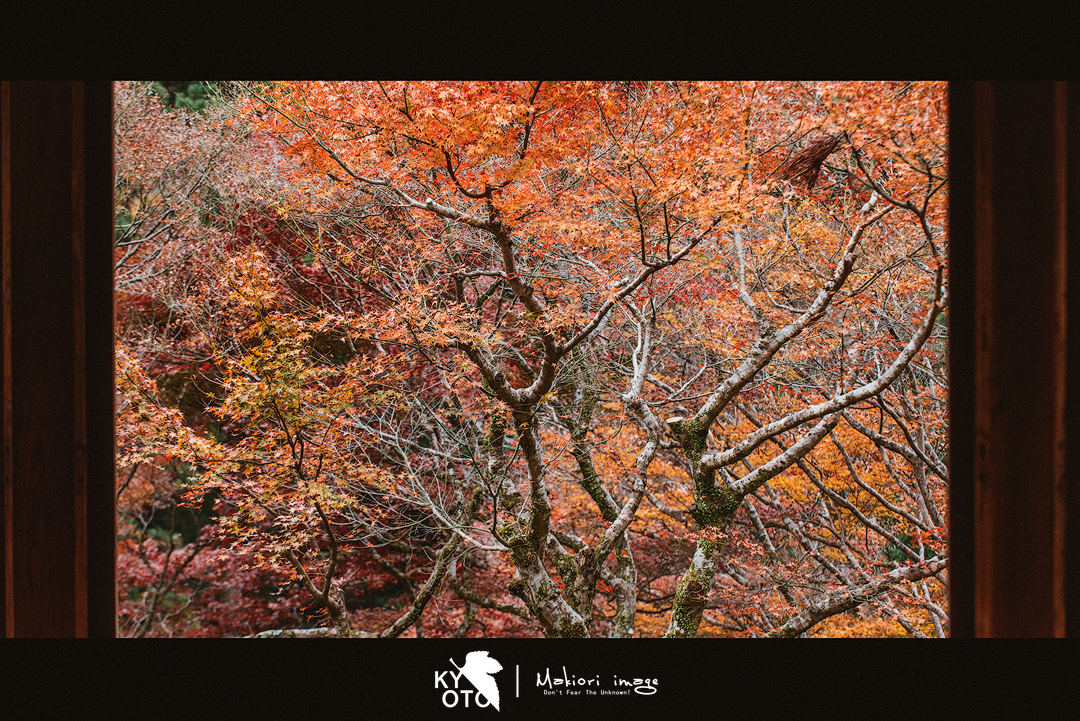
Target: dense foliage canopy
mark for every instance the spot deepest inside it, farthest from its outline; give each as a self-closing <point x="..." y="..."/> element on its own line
<point x="533" y="358"/>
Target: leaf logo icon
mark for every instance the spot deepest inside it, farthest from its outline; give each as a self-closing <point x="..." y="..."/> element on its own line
<point x="479" y="668"/>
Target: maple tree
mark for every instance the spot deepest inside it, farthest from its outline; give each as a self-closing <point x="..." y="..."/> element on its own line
<point x="584" y="358"/>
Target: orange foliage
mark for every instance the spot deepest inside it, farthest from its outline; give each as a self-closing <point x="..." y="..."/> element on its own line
<point x="587" y="340"/>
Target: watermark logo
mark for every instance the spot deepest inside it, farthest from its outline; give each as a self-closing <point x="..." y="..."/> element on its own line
<point x="570" y="684"/>
<point x="479" y="670"/>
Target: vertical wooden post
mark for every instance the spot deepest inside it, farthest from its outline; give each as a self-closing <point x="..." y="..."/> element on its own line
<point x="961" y="314"/>
<point x="1069" y="525"/>
<point x="1013" y="466"/>
<point x="58" y="500"/>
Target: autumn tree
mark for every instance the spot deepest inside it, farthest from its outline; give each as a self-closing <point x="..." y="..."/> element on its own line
<point x="187" y="210"/>
<point x="668" y="353"/>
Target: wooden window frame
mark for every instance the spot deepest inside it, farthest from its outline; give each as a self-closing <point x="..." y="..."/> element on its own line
<point x="1014" y="327"/>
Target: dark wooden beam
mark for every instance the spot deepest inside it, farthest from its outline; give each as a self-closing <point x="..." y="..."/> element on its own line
<point x="1069" y="106"/>
<point x="1013" y="327"/>
<point x="58" y="500"/>
<point x="961" y="313"/>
